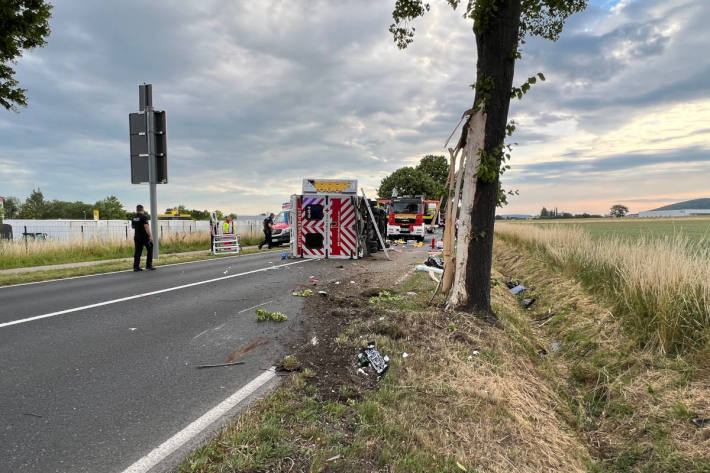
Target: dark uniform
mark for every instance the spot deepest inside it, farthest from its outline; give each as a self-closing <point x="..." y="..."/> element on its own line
<point x="268" y="222"/>
<point x="140" y="239"/>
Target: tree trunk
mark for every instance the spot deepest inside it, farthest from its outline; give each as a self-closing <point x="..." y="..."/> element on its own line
<point x="496" y="41"/>
<point x="448" y="276"/>
<point x="450" y="238"/>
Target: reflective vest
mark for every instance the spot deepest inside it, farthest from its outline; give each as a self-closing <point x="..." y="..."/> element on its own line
<point x="228" y="227"/>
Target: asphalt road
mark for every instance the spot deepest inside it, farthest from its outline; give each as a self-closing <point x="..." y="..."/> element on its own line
<point x="96" y="372"/>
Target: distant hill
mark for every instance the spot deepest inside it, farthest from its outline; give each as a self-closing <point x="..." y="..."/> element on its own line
<point x="688" y="204"/>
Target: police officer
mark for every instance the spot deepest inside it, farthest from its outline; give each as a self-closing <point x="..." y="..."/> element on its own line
<point x="268" y="227"/>
<point x="228" y="225"/>
<point x="142" y="238"/>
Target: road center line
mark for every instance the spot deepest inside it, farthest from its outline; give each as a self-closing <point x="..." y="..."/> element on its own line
<point x="146" y="294"/>
<point x="161" y="452"/>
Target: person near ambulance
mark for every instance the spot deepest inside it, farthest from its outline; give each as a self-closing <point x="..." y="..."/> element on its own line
<point x="268" y="228"/>
<point x="142" y="238"/>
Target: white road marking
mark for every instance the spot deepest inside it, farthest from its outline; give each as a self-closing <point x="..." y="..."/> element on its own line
<point x="146" y="294"/>
<point x="130" y="270"/>
<point x="181" y="438"/>
<point x="254" y="307"/>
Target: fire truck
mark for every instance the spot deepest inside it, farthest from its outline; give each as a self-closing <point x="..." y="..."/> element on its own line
<point x="406" y="218"/>
<point x="329" y="220"/>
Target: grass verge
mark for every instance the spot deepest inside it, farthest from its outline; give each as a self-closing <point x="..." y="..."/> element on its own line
<point x="466" y="398"/>
<point x="660" y="287"/>
<point x="37" y="276"/>
<point x="17" y="254"/>
<point x="632" y="405"/>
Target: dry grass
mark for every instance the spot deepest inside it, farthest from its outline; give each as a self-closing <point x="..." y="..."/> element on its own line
<point x="633" y="405"/>
<point x="661" y="287"/>
<point x="17" y="254"/>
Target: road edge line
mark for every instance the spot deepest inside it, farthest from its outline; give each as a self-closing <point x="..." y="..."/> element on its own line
<point x="170" y="446"/>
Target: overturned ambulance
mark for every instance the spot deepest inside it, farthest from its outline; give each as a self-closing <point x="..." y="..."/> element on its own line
<point x="329" y="220"/>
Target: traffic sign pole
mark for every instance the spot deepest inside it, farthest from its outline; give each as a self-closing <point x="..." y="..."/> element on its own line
<point x="145" y="98"/>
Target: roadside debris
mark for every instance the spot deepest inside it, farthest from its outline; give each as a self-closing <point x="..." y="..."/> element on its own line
<point x="542" y="351"/>
<point x="555" y="347"/>
<point x="303" y="293"/>
<point x="220" y="364"/>
<point x="435" y="262"/>
<point x="331" y="459"/>
<point x="527" y="302"/>
<point x="431" y="269"/>
<point x="411" y="293"/>
<point x="323" y="293"/>
<point x="701" y="422"/>
<point x="384" y="296"/>
<point x="405" y="354"/>
<point x="517" y="289"/>
<point x="263" y="315"/>
<point x="370" y="356"/>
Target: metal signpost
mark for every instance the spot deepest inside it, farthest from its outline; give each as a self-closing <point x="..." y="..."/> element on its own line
<point x="149" y="152"/>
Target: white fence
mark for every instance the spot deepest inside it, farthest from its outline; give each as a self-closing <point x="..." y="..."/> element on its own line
<point x="115" y="229"/>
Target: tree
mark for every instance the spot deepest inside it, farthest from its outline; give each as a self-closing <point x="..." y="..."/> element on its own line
<point x="110" y="208"/>
<point x="435" y="167"/>
<point x="24" y="24"/>
<point x="34" y="206"/>
<point x="12" y="207"/>
<point x="618" y="210"/>
<point x="410" y="181"/>
<point x="499" y="26"/>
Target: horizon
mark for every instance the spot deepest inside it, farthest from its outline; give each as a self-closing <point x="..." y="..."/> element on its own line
<point x="255" y="104"/>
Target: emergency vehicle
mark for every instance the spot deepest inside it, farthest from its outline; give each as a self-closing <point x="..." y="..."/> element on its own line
<point x="329" y="220"/>
<point x="281" y="232"/>
<point x="406" y="218"/>
<point x="431" y="208"/>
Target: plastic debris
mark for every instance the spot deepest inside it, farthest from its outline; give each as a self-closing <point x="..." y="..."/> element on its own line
<point x="411" y="293"/>
<point x="370" y="356"/>
<point x="323" y="293"/>
<point x="314" y="341"/>
<point x="511" y="284"/>
<point x="434" y="261"/>
<point x="303" y="293"/>
<point x="405" y="354"/>
<point x="517" y="289"/>
<point x="283" y="255"/>
<point x="362" y="371"/>
<point x="263" y="315"/>
<point x="475" y="352"/>
<point x="555" y="347"/>
<point x="221" y="364"/>
<point x="337" y="282"/>
<point x="701" y="422"/>
<point x="527" y="302"/>
<point x="431" y="269"/>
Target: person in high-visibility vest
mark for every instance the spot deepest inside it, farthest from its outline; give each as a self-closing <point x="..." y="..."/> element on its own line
<point x="228" y="225"/>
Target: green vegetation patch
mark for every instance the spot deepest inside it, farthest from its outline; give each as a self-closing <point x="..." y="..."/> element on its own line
<point x="262" y="315"/>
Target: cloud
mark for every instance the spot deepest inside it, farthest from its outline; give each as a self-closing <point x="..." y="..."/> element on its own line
<point x="262" y="94"/>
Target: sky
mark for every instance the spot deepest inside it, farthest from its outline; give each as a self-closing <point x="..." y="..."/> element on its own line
<point x="261" y="94"/>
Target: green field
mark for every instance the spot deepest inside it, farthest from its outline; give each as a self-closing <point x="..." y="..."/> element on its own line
<point x="692" y="228"/>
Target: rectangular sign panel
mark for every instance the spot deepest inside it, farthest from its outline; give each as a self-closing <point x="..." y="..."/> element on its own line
<point x="139" y="145"/>
<point x="136" y="123"/>
<point x="139" y="170"/>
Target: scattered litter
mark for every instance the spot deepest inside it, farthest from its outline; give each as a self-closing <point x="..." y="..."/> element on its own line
<point x="303" y="293"/>
<point x="283" y="255"/>
<point x="337" y="282"/>
<point x="475" y="352"/>
<point x="263" y="315"/>
<point x="412" y="293"/>
<point x="362" y="371"/>
<point x="470" y="357"/>
<point x="384" y="296"/>
<point x="333" y="458"/>
<point x="701" y="422"/>
<point x="131" y="329"/>
<point x="435" y="262"/>
<point x="370" y="356"/>
<point x="431" y="269"/>
<point x="352" y="282"/>
<point x="313" y="281"/>
<point x="314" y="341"/>
<point x="511" y="284"/>
<point x="419" y="244"/>
<point x="323" y="293"/>
<point x="527" y="302"/>
<point x="542" y="351"/>
<point x="382" y="318"/>
<point x="221" y="364"/>
<point x="517" y="289"/>
<point x="405" y="354"/>
<point x="555" y="347"/>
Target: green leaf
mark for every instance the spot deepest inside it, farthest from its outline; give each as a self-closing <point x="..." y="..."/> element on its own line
<point x="541" y="76"/>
